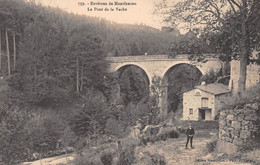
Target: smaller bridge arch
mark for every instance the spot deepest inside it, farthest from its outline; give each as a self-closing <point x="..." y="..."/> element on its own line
<point x="123" y="66"/>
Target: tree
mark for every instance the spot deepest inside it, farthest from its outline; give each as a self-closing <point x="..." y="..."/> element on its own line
<point x="219" y="16"/>
<point x="133" y="85"/>
<point x="86" y="51"/>
<point x="9" y="23"/>
<point x="14" y="44"/>
<point x="89" y="120"/>
<point x="191" y="44"/>
<point x="0" y="51"/>
<point x="8" y="53"/>
<point x="135" y="50"/>
<point x="40" y="64"/>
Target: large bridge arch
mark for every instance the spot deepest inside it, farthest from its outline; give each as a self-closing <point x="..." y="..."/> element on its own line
<point x="120" y="68"/>
<point x="140" y="87"/>
<point x="164" y="101"/>
<point x="170" y="67"/>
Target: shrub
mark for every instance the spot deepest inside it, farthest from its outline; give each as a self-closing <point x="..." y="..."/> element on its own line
<point x="126" y="156"/>
<point x="113" y="127"/>
<point x="107" y="159"/>
<point x="156" y="134"/>
<point x="211" y="76"/>
<point x="13" y="142"/>
<point x="24" y="133"/>
<point x="251" y="95"/>
<point x="249" y="145"/>
<point x="80" y="160"/>
<point x="109" y="154"/>
<point x="90" y="119"/>
<point x="158" y="159"/>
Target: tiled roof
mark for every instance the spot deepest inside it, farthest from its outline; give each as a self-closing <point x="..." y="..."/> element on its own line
<point x="214" y="88"/>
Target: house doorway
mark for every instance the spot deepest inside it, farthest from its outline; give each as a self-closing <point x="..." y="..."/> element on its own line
<point x="205" y="113"/>
<point x="202" y="114"/>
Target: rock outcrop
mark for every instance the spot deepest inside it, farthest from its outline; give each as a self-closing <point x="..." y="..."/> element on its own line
<point x="158" y="132"/>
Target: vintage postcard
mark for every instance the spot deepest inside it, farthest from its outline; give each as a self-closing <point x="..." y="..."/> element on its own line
<point x="129" y="82"/>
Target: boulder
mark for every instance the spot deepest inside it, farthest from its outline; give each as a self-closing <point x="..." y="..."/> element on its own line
<point x="236" y="124"/>
<point x="246" y="128"/>
<point x="251" y="117"/>
<point x="223" y="132"/>
<point x="70" y="149"/>
<point x="35" y="156"/>
<point x="251" y="125"/>
<point x="240" y="117"/>
<point x="230" y="117"/>
<point x="181" y="129"/>
<point x="226" y="147"/>
<point x="238" y="142"/>
<point x="235" y="138"/>
<point x="244" y="122"/>
<point x="231" y="129"/>
<point x="222" y="123"/>
<point x="237" y="133"/>
<point x="229" y="123"/>
<point x="223" y="113"/>
<point x="147" y="158"/>
<point x="245" y="134"/>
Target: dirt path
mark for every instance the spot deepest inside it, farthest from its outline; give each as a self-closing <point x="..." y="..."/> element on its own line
<point x="175" y="153"/>
<point x="174" y="150"/>
<point x="58" y="160"/>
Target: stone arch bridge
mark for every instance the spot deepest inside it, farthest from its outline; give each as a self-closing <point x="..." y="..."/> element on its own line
<point x="159" y="66"/>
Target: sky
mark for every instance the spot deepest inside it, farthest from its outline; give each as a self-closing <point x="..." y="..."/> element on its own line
<point x="141" y="13"/>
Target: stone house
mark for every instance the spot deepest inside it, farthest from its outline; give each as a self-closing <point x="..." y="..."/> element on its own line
<point x="204" y="101"/>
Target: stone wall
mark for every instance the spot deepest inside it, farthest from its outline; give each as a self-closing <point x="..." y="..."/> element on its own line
<point x="236" y="126"/>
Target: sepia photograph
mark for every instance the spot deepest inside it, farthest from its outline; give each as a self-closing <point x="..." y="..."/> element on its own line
<point x="129" y="82"/>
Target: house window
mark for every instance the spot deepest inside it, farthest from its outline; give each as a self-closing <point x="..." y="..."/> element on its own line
<point x="197" y="93"/>
<point x="191" y="111"/>
<point x="204" y="102"/>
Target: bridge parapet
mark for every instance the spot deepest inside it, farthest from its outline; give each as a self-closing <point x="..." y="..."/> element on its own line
<point x="159" y="57"/>
<point x="137" y="58"/>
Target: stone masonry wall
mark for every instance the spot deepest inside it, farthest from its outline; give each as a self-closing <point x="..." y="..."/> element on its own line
<point x="252" y="75"/>
<point x="236" y="126"/>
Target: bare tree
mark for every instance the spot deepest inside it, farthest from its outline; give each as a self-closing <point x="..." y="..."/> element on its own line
<point x="14" y="44"/>
<point x="211" y="16"/>
<point x="0" y="51"/>
<point x="8" y="53"/>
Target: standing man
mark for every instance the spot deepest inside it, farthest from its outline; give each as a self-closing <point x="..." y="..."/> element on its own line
<point x="190" y="133"/>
